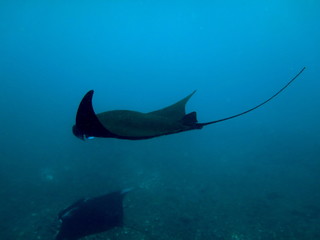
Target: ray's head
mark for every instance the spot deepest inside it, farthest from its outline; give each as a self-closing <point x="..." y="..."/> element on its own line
<point x="80" y="133"/>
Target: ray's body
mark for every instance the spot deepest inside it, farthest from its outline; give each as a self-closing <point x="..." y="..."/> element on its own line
<point x="133" y="125"/>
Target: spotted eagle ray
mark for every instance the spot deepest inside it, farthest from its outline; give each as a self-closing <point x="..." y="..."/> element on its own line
<point x="133" y="125"/>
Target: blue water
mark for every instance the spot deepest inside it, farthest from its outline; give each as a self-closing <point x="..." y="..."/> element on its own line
<point x="253" y="177"/>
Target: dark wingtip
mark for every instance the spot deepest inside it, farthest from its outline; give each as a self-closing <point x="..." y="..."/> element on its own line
<point x="85" y="118"/>
<point x="126" y="190"/>
<point x="88" y="95"/>
<point x="194" y="91"/>
<point x="85" y="107"/>
<point x="87" y="123"/>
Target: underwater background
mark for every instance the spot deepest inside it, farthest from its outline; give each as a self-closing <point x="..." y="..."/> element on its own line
<point x="255" y="177"/>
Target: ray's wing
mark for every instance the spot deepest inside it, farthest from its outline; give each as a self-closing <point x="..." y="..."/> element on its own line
<point x="87" y="122"/>
<point x="175" y="111"/>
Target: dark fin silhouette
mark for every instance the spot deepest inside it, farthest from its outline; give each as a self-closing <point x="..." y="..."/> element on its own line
<point x="190" y="119"/>
<point x="75" y="205"/>
<point x="87" y="123"/>
<point x="91" y="216"/>
<point x="175" y="111"/>
<point x="126" y="190"/>
<point x="259" y="105"/>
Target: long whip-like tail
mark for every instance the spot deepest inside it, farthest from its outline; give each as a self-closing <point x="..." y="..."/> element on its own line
<point x="259" y="105"/>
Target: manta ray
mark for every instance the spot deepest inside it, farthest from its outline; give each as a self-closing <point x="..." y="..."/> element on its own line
<point x="89" y="216"/>
<point x="133" y="125"/>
